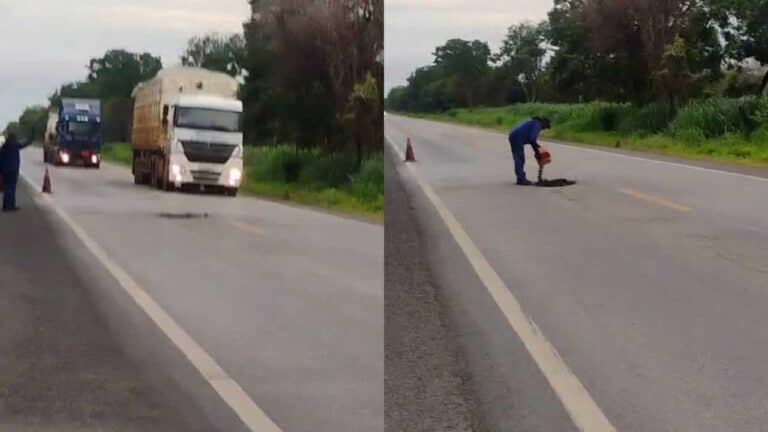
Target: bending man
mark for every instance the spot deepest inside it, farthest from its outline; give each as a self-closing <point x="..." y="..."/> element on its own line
<point x="526" y="132"/>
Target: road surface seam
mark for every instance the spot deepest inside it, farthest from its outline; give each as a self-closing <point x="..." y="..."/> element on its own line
<point x="661" y="162"/>
<point x="227" y="388"/>
<point x="655" y="200"/>
<point x="583" y="410"/>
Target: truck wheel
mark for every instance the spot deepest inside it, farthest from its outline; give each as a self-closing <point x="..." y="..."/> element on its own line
<point x="231" y="192"/>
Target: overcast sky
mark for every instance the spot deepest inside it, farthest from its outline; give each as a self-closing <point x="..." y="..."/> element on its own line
<point x="44" y="43"/>
<point x="413" y="28"/>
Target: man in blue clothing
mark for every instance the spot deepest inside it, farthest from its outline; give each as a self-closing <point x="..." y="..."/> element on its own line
<point x="526" y="132"/>
<point x="10" y="161"/>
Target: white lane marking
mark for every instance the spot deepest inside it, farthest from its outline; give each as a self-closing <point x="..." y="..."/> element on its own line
<point x="229" y="390"/>
<point x="604" y="152"/>
<point x="583" y="410"/>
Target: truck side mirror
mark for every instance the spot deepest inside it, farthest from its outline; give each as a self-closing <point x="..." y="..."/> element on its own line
<point x="165" y="115"/>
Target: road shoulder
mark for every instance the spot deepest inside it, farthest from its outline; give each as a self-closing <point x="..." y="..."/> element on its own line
<point x="426" y="386"/>
<point x="64" y="369"/>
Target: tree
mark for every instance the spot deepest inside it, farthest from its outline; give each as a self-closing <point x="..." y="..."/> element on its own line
<point x="307" y="61"/>
<point x="12" y="127"/>
<point x="32" y="123"/>
<point x="743" y="24"/>
<point x="118" y="72"/>
<point x="522" y="56"/>
<point x="465" y="63"/>
<point x="217" y="52"/>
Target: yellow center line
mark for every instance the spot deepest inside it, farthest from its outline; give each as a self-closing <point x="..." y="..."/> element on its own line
<point x="253" y="229"/>
<point x="655" y="200"/>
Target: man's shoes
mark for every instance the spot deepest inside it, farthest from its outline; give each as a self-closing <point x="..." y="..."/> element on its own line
<point x="524" y="182"/>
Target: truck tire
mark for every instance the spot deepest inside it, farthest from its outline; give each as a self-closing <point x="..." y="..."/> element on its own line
<point x="231" y="192"/>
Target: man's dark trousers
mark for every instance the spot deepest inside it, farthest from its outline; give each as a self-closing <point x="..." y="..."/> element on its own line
<point x="518" y="154"/>
<point x="9" y="190"/>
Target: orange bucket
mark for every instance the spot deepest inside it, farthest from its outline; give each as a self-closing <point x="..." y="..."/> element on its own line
<point x="545" y="157"/>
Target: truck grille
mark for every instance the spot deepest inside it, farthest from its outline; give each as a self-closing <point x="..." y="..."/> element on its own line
<point x="198" y="151"/>
<point x="205" y="177"/>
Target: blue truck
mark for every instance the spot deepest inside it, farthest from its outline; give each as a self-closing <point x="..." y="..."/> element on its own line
<point x="74" y="133"/>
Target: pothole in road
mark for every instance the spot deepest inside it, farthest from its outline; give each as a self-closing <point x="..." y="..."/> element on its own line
<point x="555" y="183"/>
<point x="183" y="215"/>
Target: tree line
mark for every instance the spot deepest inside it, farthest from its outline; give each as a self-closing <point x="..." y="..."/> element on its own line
<point x="632" y="51"/>
<point x="311" y="74"/>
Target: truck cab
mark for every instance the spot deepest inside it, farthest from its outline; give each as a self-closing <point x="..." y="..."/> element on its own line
<point x="78" y="137"/>
<point x="205" y="140"/>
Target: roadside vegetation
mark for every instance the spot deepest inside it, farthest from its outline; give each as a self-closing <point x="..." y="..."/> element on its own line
<point x="312" y="177"/>
<point x="117" y="152"/>
<point x="327" y="180"/>
<point x="692" y="82"/>
<point x="712" y="129"/>
<point x="311" y="75"/>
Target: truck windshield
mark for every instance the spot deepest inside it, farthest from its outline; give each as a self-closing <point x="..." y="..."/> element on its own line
<point x="80" y="128"/>
<point x="209" y="119"/>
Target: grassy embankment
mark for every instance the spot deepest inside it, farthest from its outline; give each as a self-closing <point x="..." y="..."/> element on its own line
<point x="713" y="129"/>
<point x="306" y="177"/>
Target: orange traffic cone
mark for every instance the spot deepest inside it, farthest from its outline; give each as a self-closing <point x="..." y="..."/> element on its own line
<point x="47" y="182"/>
<point x="409" y="157"/>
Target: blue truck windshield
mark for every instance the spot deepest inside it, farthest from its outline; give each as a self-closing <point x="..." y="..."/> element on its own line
<point x="209" y="119"/>
<point x="80" y="129"/>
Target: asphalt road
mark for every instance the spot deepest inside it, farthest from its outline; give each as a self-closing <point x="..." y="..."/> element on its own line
<point x="426" y="385"/>
<point x="61" y="368"/>
<point x="288" y="301"/>
<point x="649" y="278"/>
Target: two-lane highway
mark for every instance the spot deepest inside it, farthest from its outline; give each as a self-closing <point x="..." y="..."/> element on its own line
<point x="643" y="289"/>
<point x="287" y="301"/>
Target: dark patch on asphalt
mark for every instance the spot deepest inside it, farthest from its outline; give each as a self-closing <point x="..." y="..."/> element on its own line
<point x="61" y="368"/>
<point x="427" y="386"/>
<point x="183" y="215"/>
<point x="561" y="182"/>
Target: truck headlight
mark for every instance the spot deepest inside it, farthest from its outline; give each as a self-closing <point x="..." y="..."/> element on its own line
<point x="94" y="159"/>
<point x="176" y="170"/>
<point x="64" y="156"/>
<point x="235" y="175"/>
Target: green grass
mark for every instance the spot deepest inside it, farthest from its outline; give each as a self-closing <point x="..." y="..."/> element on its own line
<point x="710" y="130"/>
<point x="117" y="152"/>
<point x="308" y="177"/>
<point x="311" y="177"/>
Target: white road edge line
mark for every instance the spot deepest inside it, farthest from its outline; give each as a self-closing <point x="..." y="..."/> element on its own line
<point x="229" y="390"/>
<point x="583" y="410"/>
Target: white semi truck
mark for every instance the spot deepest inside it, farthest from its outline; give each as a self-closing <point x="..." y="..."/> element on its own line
<point x="187" y="131"/>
